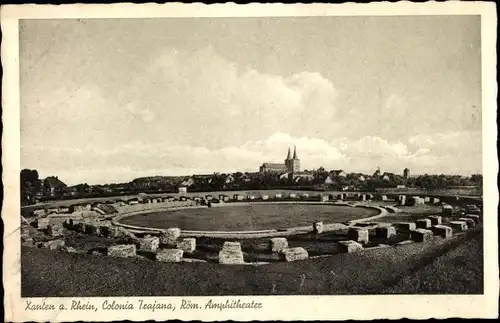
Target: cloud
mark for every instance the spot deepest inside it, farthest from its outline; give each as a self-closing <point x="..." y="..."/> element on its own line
<point x="211" y="97"/>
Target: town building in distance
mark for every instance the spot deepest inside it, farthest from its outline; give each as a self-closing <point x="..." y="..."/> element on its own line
<point x="292" y="164"/>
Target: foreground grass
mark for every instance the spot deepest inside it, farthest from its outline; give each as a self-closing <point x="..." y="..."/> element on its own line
<point x="446" y="266"/>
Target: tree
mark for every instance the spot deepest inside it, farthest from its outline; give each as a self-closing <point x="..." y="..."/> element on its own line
<point x="31" y="186"/>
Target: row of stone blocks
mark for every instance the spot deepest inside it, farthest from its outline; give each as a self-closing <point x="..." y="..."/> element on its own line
<point x="361" y="235"/>
<point x="231" y="252"/>
<point x="130" y="250"/>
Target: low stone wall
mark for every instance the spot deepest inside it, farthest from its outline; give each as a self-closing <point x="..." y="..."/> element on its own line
<point x="246" y="234"/>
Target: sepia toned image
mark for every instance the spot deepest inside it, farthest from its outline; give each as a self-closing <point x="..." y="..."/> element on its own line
<point x="243" y="158"/>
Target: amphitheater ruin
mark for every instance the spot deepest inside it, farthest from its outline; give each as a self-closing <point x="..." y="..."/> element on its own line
<point x="97" y="228"/>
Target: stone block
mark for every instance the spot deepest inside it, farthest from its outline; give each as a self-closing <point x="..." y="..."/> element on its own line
<point x="447" y="210"/>
<point x="385" y="232"/>
<point x="474" y="217"/>
<point x="231" y="257"/>
<point x="421" y="235"/>
<point x="435" y="219"/>
<point x="79" y="226"/>
<point x="405" y="226"/>
<point x="293" y="254"/>
<point x="42" y="223"/>
<point x="170" y="255"/>
<point x="169" y="237"/>
<point x="54" y="244"/>
<point x="458" y="225"/>
<point x="318" y="227"/>
<point x="149" y="244"/>
<point x="278" y="244"/>
<point x="231" y="246"/>
<point x="55" y="230"/>
<point x="358" y="235"/>
<point x="423" y="223"/>
<point x="93" y="228"/>
<point x="470" y="222"/>
<point x="123" y="251"/>
<point x="187" y="244"/>
<point x="349" y="246"/>
<point x="442" y="231"/>
<point x="39" y="212"/>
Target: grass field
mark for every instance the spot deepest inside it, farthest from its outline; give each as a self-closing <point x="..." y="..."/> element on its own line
<point x="254" y="217"/>
<point x="443" y="266"/>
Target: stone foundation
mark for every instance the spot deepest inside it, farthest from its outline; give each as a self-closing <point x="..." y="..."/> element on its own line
<point x="458" y="225"/>
<point x="231" y="257"/>
<point x="318" y="227"/>
<point x="170" y="255"/>
<point x="231" y="246"/>
<point x="170" y="236"/>
<point x="293" y="254"/>
<point x="385" y="232"/>
<point x="122" y="251"/>
<point x="92" y="228"/>
<point x="187" y="244"/>
<point x="423" y="223"/>
<point x="54" y="244"/>
<point x="149" y="244"/>
<point x="442" y="231"/>
<point x="26" y="239"/>
<point x="435" y="219"/>
<point x="358" y="235"/>
<point x="55" y="230"/>
<point x="474" y="217"/>
<point x="349" y="246"/>
<point x="470" y="222"/>
<point x="42" y="224"/>
<point x="278" y="244"/>
<point x="405" y="226"/>
<point x="421" y="235"/>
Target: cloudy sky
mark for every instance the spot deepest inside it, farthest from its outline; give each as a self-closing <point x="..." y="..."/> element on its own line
<point x="109" y="100"/>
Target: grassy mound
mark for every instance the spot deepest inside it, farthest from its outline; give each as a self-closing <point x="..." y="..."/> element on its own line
<point x="444" y="266"/>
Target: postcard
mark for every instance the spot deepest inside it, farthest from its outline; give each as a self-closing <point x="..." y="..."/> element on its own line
<point x="249" y="162"/>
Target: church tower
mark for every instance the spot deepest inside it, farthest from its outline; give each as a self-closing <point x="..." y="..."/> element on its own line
<point x="288" y="160"/>
<point x="295" y="162"/>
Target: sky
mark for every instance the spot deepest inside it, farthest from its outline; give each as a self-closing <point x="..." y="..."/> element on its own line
<point x="110" y="100"/>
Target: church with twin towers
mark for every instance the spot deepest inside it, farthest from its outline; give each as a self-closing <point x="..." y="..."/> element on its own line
<point x="291" y="165"/>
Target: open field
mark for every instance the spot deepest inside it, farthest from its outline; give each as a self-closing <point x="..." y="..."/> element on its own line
<point x="443" y="266"/>
<point x="249" y="217"/>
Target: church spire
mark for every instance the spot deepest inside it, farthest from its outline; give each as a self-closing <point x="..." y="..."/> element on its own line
<point x="295" y="152"/>
<point x="289" y="155"/>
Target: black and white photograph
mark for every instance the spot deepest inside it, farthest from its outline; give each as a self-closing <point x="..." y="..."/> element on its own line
<point x="263" y="155"/>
